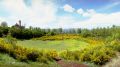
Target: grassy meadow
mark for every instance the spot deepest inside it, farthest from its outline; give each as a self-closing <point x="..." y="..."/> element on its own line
<point x="58" y="45"/>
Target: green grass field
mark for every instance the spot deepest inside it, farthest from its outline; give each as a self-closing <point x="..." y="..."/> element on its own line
<point x="7" y="61"/>
<point x="57" y="45"/>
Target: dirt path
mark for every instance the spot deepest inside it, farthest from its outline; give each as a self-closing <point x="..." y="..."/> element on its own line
<point x="62" y="63"/>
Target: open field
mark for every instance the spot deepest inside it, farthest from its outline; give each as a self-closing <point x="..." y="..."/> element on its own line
<point x="58" y="45"/>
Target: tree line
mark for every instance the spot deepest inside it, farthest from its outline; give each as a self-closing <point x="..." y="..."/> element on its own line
<point x="21" y="32"/>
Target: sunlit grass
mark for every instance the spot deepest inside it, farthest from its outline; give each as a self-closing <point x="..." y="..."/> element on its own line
<point x="7" y="61"/>
<point x="57" y="45"/>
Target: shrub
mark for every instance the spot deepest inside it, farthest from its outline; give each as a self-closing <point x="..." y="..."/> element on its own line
<point x="10" y="40"/>
<point x="33" y="55"/>
<point x="85" y="56"/>
<point x="59" y="37"/>
<point x="20" y="53"/>
<point x="102" y="55"/>
<point x="68" y="55"/>
<point x="5" y="47"/>
<point x="52" y="53"/>
<point x="97" y="54"/>
<point x="47" y="55"/>
<point x="42" y="59"/>
<point x="24" y="54"/>
<point x="115" y="45"/>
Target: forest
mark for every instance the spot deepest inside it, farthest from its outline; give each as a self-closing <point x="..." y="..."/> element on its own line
<point x="21" y="32"/>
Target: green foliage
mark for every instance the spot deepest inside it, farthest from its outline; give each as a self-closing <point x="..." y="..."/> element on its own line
<point x="7" y="61"/>
<point x="102" y="55"/>
<point x="115" y="45"/>
<point x="10" y="40"/>
<point x="20" y="53"/>
<point x="3" y="31"/>
<point x="33" y="55"/>
<point x="86" y="33"/>
<point x="5" y="47"/>
<point x="70" y="55"/>
<point x="20" y="32"/>
<point x="24" y="54"/>
<point x="96" y="54"/>
<point x="59" y="37"/>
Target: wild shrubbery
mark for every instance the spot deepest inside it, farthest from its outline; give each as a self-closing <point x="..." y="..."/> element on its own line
<point x="33" y="55"/>
<point x="96" y="54"/>
<point x="59" y="37"/>
<point x="5" y="47"/>
<point x="92" y="41"/>
<point x="115" y="45"/>
<point x="20" y="53"/>
<point x="24" y="54"/>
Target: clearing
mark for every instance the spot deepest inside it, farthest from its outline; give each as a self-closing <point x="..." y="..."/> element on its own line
<point x="56" y="45"/>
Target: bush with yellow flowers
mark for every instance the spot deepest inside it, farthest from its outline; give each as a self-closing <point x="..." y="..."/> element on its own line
<point x="59" y="37"/>
<point x="20" y="53"/>
<point x="5" y="47"/>
<point x="115" y="45"/>
<point x="96" y="54"/>
<point x="24" y="54"/>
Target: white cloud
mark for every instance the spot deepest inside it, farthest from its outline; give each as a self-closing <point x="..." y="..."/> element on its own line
<point x="43" y="14"/>
<point x="95" y="20"/>
<point x="87" y="13"/>
<point x="68" y="8"/>
<point x="66" y="21"/>
<point x="39" y="13"/>
<point x="80" y="11"/>
<point x="100" y="20"/>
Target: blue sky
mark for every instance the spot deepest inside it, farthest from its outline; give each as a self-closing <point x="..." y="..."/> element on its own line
<point x="61" y="13"/>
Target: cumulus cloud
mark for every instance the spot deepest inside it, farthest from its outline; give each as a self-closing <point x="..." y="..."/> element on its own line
<point x="68" y="8"/>
<point x="38" y="14"/>
<point x="95" y="20"/>
<point x="80" y="11"/>
<point x="87" y="13"/>
<point x="99" y="20"/>
<point x="42" y="13"/>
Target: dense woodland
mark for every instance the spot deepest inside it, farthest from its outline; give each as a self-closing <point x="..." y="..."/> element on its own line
<point x="21" y="32"/>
